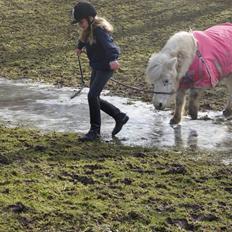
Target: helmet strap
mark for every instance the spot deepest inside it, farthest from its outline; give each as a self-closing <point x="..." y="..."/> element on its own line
<point x="90" y="20"/>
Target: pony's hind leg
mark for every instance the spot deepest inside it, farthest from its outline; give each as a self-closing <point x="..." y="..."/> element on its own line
<point x="194" y="103"/>
<point x="228" y="109"/>
<point x="180" y="103"/>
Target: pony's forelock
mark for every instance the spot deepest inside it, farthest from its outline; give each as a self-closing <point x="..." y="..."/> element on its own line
<point x="154" y="68"/>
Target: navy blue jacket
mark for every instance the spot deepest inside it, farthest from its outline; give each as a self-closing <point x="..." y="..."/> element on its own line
<point x="102" y="51"/>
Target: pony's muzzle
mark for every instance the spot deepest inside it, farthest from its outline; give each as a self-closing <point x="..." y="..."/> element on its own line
<point x="159" y="106"/>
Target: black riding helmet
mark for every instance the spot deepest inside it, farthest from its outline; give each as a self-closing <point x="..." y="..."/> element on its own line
<point x="81" y="10"/>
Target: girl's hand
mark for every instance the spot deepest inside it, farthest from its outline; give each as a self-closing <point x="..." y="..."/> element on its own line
<point x="114" y="65"/>
<point x="78" y="51"/>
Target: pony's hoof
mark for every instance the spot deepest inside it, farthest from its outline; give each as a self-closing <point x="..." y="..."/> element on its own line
<point x="193" y="116"/>
<point x="227" y="113"/>
<point x="174" y="121"/>
<point x="193" y="113"/>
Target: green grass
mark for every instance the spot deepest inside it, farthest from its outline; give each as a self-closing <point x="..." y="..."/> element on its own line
<point x="51" y="182"/>
<point x="64" y="185"/>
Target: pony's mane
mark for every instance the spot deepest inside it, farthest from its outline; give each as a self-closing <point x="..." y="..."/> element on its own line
<point x="182" y="46"/>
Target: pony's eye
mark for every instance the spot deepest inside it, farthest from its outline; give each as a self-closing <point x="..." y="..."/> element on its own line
<point x="166" y="82"/>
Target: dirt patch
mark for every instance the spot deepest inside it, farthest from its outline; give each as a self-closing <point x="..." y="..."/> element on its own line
<point x="18" y="208"/>
<point x="202" y="217"/>
<point x="4" y="160"/>
<point x="182" y="223"/>
<point x="176" y="169"/>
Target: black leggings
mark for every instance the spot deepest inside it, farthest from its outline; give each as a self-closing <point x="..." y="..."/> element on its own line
<point x="97" y="83"/>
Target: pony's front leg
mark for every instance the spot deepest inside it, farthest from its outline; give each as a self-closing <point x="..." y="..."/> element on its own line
<point x="194" y="103"/>
<point x="228" y="109"/>
<point x="180" y="103"/>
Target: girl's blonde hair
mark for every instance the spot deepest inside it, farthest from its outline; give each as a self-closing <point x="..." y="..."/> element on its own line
<point x="87" y="35"/>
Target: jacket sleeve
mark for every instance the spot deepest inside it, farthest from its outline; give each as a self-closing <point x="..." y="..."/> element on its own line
<point x="112" y="51"/>
<point x="80" y="44"/>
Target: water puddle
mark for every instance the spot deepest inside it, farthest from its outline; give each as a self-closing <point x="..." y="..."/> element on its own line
<point x="35" y="105"/>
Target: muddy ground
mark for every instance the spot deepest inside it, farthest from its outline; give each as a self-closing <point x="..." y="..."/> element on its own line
<point x="50" y="182"/>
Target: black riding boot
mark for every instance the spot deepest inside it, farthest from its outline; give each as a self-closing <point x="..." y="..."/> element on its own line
<point x="95" y="118"/>
<point x="120" y="121"/>
<point x="92" y="135"/>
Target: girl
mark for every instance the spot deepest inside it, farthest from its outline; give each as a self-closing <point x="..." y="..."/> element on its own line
<point x="103" y="58"/>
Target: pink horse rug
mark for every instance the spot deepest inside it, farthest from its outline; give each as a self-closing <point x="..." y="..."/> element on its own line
<point x="213" y="59"/>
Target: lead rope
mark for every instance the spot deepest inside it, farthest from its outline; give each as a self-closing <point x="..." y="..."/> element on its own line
<point x="77" y="92"/>
<point x="141" y="90"/>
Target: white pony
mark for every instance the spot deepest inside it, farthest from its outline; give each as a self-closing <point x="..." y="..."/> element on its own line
<point x="191" y="60"/>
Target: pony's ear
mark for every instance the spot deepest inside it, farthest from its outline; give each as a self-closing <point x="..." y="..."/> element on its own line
<point x="171" y="64"/>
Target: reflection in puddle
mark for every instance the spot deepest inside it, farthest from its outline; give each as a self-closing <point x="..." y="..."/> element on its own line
<point x="48" y="108"/>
